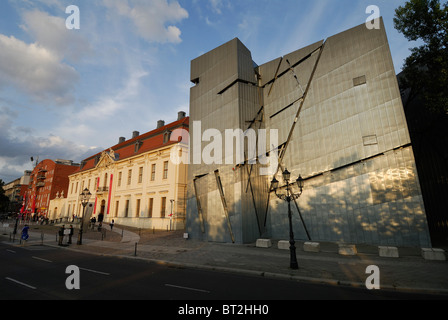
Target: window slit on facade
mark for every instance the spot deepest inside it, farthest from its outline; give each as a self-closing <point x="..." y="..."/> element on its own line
<point x="359" y="81"/>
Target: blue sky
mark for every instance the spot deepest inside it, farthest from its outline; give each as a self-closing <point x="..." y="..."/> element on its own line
<point x="68" y="94"/>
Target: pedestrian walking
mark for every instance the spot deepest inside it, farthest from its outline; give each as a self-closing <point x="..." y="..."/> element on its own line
<point x="112" y="224"/>
<point x="61" y="235"/>
<point x="70" y="235"/>
<point x="92" y="223"/>
<point x="25" y="234"/>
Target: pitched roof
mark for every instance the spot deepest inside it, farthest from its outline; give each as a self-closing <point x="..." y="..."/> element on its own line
<point x="149" y="141"/>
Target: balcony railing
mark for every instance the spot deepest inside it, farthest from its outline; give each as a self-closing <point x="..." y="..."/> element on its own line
<point x="102" y="190"/>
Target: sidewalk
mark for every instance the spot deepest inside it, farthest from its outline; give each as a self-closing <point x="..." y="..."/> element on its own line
<point x="410" y="272"/>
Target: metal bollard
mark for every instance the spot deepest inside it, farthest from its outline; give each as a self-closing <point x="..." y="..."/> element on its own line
<point x="135" y="250"/>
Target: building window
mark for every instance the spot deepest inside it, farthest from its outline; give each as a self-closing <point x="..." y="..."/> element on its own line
<point x="163" y="208"/>
<point x="116" y="208"/>
<point x="126" y="209"/>
<point x="359" y="81"/>
<point x="137" y="211"/>
<point x="137" y="146"/>
<point x="119" y="179"/>
<point x="129" y="176"/>
<point x="153" y="172"/>
<point x="166" y="137"/>
<point x="140" y="175"/>
<point x="165" y="170"/>
<point x="151" y="205"/>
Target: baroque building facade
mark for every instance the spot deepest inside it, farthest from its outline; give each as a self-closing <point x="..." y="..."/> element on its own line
<point x="335" y="111"/>
<point x="48" y="180"/>
<point x="135" y="183"/>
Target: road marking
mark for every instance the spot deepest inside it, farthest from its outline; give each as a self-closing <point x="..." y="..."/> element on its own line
<point x="186" y="288"/>
<point x="41" y="259"/>
<point x="21" y="283"/>
<point x="94" y="271"/>
<point x="12" y="251"/>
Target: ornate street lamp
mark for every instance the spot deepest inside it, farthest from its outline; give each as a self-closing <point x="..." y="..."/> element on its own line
<point x="288" y="197"/>
<point x="84" y="198"/>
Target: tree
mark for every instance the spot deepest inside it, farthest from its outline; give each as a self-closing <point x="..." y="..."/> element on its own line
<point x="425" y="71"/>
<point x="4" y="200"/>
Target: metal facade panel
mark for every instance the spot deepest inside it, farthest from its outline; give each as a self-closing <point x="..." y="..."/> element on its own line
<point x="350" y="142"/>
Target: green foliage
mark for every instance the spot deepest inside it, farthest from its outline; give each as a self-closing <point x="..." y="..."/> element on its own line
<point x="426" y="69"/>
<point x="4" y="200"/>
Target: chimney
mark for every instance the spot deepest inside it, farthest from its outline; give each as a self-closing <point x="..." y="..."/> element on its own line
<point x="135" y="134"/>
<point x="121" y="140"/>
<point x="181" y="115"/>
<point x="160" y="124"/>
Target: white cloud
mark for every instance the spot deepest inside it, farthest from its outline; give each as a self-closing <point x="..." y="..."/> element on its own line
<point x="18" y="145"/>
<point x="51" y="33"/>
<point x="40" y="69"/>
<point x="151" y="18"/>
<point x="35" y="70"/>
<point x="216" y="6"/>
<point x="109" y="105"/>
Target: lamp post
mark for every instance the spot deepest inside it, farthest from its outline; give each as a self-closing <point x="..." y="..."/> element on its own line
<point x="288" y="197"/>
<point x="171" y="215"/>
<point x="84" y="198"/>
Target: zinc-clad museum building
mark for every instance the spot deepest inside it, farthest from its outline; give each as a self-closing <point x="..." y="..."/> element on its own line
<point x="336" y="111"/>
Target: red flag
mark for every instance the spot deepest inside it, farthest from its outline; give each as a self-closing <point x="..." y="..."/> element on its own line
<point x="23" y="204"/>
<point x="33" y="207"/>
<point x="96" y="198"/>
<point x="110" y="192"/>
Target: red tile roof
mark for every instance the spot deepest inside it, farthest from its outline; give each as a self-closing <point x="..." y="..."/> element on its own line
<point x="152" y="140"/>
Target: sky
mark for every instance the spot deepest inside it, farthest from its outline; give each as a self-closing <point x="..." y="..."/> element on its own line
<point x="69" y="93"/>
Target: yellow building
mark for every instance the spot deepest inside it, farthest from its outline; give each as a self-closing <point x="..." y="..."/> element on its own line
<point x="135" y="183"/>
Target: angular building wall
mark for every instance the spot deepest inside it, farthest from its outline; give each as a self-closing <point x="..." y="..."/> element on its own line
<point x="225" y="96"/>
<point x="336" y="108"/>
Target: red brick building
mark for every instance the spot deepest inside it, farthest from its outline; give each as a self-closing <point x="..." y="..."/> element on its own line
<point x="48" y="180"/>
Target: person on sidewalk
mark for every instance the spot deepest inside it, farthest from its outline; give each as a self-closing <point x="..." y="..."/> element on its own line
<point x="61" y="235"/>
<point x="92" y="223"/>
<point x="25" y="234"/>
<point x="70" y="235"/>
<point x="112" y="224"/>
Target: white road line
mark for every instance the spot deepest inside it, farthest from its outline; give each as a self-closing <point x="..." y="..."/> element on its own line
<point x="41" y="259"/>
<point x="12" y="251"/>
<point x="186" y="288"/>
<point x="94" y="271"/>
<point x="21" y="283"/>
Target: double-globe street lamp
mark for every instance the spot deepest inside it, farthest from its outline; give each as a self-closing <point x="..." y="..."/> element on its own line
<point x="84" y="198"/>
<point x="288" y="197"/>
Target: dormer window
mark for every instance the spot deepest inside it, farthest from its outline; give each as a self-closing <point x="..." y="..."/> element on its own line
<point x="166" y="136"/>
<point x="138" y="145"/>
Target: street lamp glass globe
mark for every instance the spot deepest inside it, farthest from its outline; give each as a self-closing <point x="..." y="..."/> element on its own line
<point x="286" y="175"/>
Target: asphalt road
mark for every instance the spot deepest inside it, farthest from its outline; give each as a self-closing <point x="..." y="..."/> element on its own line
<point x="40" y="273"/>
